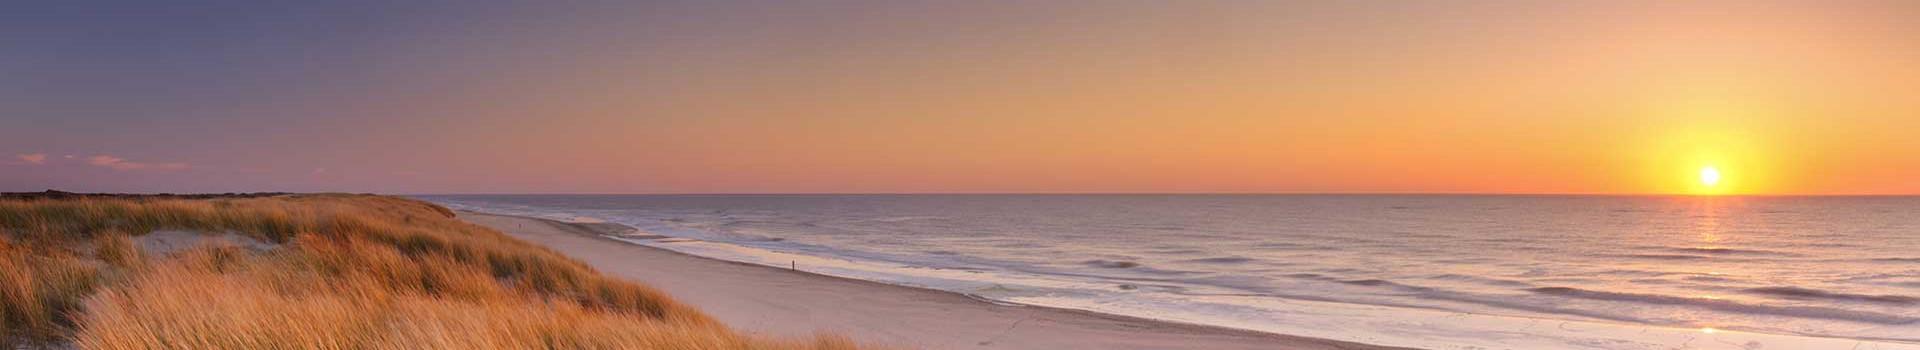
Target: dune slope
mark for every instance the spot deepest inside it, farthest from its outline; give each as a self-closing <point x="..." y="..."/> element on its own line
<point x="316" y="272"/>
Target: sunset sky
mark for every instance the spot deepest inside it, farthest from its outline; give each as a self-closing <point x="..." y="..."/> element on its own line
<point x="1618" y="97"/>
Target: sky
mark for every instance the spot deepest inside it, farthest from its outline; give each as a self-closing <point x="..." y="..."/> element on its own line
<point x="416" y="97"/>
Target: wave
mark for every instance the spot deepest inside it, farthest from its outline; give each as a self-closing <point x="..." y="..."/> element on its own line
<point x="1111" y="264"/>
<point x="1496" y="301"/>
<point x="906" y="218"/>
<point x="1664" y="256"/>
<point x="1805" y="293"/>
<point x="1731" y="306"/>
<point x="1731" y="251"/>
<point x="1358" y="282"/>
<point x="1220" y="260"/>
<point x="1131" y="270"/>
<point x="1287" y="245"/>
<point x="1377" y="283"/>
<point x="1708" y="278"/>
<point x="1479" y="279"/>
<point x="1703" y="253"/>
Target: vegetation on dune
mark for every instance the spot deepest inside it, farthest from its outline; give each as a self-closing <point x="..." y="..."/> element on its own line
<point x="341" y="272"/>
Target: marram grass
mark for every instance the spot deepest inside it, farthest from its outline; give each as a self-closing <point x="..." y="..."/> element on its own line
<point x="338" y="272"/>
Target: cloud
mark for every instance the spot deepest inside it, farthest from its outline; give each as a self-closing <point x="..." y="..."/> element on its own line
<point x="35" y="159"/>
<point x="122" y="164"/>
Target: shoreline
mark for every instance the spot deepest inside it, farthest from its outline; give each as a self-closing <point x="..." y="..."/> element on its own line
<point x="762" y="299"/>
<point x="1322" y="325"/>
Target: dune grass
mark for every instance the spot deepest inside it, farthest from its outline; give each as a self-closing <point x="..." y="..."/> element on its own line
<point x="338" y="272"/>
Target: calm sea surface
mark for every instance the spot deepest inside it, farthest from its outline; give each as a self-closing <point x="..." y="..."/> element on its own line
<point x="1429" y="271"/>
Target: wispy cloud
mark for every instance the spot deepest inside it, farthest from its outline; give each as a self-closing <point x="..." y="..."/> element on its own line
<point x="35" y="159"/>
<point x="121" y="164"/>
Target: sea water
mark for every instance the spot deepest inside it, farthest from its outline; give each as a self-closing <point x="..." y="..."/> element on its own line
<point x="1428" y="271"/>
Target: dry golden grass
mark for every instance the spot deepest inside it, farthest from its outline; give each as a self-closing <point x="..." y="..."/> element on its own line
<point x="347" y="272"/>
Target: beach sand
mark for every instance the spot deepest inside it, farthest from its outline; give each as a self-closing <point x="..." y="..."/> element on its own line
<point x="765" y="300"/>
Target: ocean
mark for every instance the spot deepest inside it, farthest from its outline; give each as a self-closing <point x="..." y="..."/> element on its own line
<point x="1428" y="271"/>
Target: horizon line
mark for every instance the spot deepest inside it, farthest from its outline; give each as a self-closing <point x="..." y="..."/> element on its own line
<point x="1473" y="194"/>
<point x="990" y="193"/>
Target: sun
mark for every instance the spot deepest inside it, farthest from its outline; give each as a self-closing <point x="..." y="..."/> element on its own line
<point x="1709" y="176"/>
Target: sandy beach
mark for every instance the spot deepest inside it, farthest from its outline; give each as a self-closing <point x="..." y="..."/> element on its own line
<point x="759" y="299"/>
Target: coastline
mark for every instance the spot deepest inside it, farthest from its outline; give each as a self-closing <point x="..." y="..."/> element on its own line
<point x="759" y="299"/>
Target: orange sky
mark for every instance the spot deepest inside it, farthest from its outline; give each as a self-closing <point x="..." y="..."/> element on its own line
<point x="1483" y="97"/>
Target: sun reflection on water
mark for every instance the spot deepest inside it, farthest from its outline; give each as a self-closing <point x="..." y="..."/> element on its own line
<point x="1707" y="212"/>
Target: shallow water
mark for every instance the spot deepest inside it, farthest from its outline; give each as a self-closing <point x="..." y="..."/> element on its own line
<point x="1427" y="271"/>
